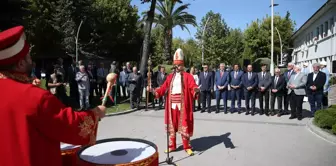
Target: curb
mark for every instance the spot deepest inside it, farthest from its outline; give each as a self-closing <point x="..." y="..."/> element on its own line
<point x="319" y="132"/>
<point x="122" y="113"/>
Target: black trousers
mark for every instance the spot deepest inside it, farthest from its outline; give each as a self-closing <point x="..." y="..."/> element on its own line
<point x="296" y="104"/>
<point x="206" y="99"/>
<point x="262" y="96"/>
<point x="135" y="98"/>
<point x="286" y="100"/>
<point x="250" y="95"/>
<point x="278" y="97"/>
<point x="325" y="100"/>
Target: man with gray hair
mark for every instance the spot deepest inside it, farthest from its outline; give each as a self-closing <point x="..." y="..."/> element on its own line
<point x="315" y="83"/>
<point x="83" y="82"/>
<point x="288" y="74"/>
<point x="277" y="91"/>
<point x="296" y="91"/>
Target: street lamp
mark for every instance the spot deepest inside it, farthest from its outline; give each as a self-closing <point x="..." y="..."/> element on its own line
<point x="272" y="42"/>
<point x="77" y="41"/>
<point x="203" y="39"/>
<point x="280" y="46"/>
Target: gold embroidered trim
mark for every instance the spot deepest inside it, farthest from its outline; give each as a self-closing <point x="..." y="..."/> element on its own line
<point x="15" y="76"/>
<point x="87" y="128"/>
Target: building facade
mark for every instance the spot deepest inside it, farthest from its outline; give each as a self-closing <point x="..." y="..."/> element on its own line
<point x="315" y="40"/>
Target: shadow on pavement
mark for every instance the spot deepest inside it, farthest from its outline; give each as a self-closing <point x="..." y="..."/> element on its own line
<point x="200" y="145"/>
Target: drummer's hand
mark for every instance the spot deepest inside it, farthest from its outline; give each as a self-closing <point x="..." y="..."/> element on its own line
<point x="100" y="110"/>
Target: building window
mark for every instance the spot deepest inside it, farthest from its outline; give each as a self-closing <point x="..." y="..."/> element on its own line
<point x="326" y="29"/>
<point x="322" y="31"/>
<point x="312" y="36"/>
<point x="317" y="33"/>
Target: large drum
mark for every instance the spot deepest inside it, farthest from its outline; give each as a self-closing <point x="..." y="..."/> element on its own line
<point x="120" y="152"/>
<point x="68" y="152"/>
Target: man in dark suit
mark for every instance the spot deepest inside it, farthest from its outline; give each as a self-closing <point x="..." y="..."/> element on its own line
<point x="161" y="78"/>
<point x="206" y="83"/>
<point x="135" y="86"/>
<point x="264" y="82"/>
<point x="288" y="74"/>
<point x="250" y="82"/>
<point x="277" y="92"/>
<point x="74" y="94"/>
<point x="222" y="80"/>
<point x="236" y="85"/>
<point x="314" y="88"/>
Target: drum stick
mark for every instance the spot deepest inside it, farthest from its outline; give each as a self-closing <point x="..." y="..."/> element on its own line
<point x="106" y="93"/>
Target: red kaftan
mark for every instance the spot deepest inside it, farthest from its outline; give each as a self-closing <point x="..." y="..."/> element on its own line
<point x="185" y="123"/>
<point x="34" y="122"/>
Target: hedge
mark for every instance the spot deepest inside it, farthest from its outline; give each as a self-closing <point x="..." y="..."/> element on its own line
<point x="326" y="119"/>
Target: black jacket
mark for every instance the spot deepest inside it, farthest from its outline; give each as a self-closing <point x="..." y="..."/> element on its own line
<point x="318" y="82"/>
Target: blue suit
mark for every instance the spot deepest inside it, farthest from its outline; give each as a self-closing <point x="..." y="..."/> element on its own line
<point x="207" y="85"/>
<point x="236" y="93"/>
<point x="222" y="80"/>
<point x="250" y="94"/>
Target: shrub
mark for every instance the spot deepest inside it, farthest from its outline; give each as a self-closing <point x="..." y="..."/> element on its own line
<point x="325" y="118"/>
<point x="334" y="128"/>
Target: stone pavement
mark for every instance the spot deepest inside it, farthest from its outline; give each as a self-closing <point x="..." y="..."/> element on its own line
<point x="231" y="139"/>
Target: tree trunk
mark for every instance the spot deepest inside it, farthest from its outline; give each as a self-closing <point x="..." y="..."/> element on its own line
<point x="146" y="42"/>
<point x="168" y="45"/>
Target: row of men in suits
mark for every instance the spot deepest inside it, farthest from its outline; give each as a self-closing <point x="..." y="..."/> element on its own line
<point x="290" y="87"/>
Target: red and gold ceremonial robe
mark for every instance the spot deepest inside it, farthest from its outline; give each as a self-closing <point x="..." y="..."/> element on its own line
<point x="185" y="122"/>
<point x="34" y="122"/>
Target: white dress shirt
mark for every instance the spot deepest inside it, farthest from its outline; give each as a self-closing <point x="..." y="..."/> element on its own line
<point x="177" y="89"/>
<point x="314" y="76"/>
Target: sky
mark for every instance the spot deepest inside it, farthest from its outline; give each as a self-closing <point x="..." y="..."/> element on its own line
<point x="238" y="13"/>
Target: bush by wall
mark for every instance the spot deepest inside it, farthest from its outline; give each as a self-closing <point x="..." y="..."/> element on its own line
<point x="326" y="119"/>
<point x="334" y="129"/>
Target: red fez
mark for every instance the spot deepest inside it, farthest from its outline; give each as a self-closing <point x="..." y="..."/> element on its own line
<point x="13" y="45"/>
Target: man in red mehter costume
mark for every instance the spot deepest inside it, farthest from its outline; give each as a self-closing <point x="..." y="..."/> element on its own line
<point x="34" y="122"/>
<point x="181" y="90"/>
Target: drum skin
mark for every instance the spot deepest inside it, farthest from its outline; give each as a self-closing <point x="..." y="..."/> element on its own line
<point x="69" y="157"/>
<point x="153" y="160"/>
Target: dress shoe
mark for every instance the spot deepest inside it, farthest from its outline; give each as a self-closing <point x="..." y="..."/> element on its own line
<point x="247" y="112"/>
<point x="299" y="118"/>
<point x="217" y="111"/>
<point x="225" y="112"/>
<point x="202" y="111"/>
<point x="209" y="111"/>
<point x="261" y="112"/>
<point x="292" y="117"/>
<point x="279" y="115"/>
<point x="189" y="152"/>
<point x="252" y="113"/>
<point x="267" y="114"/>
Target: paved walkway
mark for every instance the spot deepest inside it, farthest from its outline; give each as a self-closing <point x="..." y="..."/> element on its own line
<point x="231" y="139"/>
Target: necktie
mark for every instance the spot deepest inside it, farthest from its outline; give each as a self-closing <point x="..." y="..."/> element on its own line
<point x="263" y="75"/>
<point x="221" y="73"/>
<point x="289" y="74"/>
<point x="205" y="75"/>
<point x="249" y="76"/>
<point x="235" y="75"/>
<point x="275" y="81"/>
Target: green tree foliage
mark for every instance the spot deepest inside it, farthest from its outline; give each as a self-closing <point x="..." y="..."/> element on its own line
<point x="257" y="36"/>
<point x="108" y="29"/>
<point x="216" y="31"/>
<point x="157" y="42"/>
<point x="168" y="16"/>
